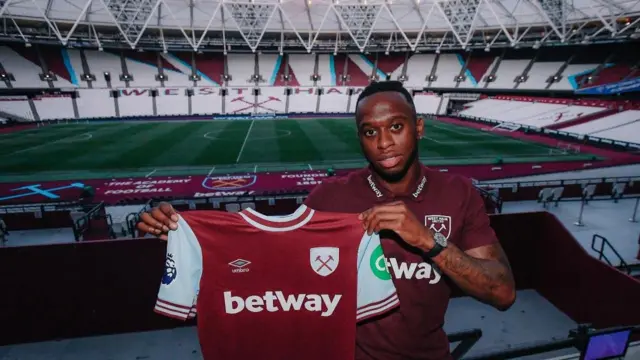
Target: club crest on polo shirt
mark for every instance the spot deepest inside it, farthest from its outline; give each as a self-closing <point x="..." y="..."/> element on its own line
<point x="439" y="223"/>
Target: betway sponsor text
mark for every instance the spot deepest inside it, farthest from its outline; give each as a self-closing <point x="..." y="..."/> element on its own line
<point x="273" y="301"/>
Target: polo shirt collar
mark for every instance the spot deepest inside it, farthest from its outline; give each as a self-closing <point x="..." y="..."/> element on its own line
<point x="382" y="194"/>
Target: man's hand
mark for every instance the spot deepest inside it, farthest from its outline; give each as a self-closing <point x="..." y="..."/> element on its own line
<point x="396" y="216"/>
<point x="483" y="272"/>
<point x="159" y="221"/>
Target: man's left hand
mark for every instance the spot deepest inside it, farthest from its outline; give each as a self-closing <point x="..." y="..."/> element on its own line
<point x="397" y="217"/>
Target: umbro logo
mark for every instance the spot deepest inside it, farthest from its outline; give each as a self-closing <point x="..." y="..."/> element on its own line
<point x="239" y="265"/>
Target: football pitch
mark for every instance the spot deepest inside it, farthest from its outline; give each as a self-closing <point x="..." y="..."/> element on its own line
<point x="133" y="149"/>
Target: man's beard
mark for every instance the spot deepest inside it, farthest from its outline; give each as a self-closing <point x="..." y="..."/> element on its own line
<point x="394" y="177"/>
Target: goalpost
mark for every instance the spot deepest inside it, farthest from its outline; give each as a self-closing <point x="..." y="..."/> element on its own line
<point x="564" y="148"/>
<point x="506" y="126"/>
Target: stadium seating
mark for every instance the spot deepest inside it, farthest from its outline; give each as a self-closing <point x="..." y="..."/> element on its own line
<point x="534" y="114"/>
<point x="418" y="69"/>
<point x="95" y="103"/>
<point x="573" y="67"/>
<point x="619" y="126"/>
<point x="51" y="107"/>
<point x="16" y="106"/>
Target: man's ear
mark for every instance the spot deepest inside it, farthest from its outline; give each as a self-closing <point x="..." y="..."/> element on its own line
<point x="419" y="127"/>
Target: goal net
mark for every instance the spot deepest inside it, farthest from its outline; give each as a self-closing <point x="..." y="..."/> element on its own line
<point x="506" y="126"/>
<point x="563" y="148"/>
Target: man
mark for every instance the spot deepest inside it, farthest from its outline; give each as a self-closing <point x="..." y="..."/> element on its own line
<point x="433" y="226"/>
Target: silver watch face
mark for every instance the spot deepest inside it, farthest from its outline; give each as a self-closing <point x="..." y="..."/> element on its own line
<point x="440" y="239"/>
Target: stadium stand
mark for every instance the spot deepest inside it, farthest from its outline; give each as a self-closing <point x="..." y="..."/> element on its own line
<point x="231" y="127"/>
<point x="304" y="67"/>
<point x="564" y="70"/>
<point x="599" y="127"/>
<point x="530" y="113"/>
<point x="418" y="69"/>
<point x="16" y="106"/>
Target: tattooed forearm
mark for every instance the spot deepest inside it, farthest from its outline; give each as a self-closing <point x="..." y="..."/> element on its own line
<point x="487" y="277"/>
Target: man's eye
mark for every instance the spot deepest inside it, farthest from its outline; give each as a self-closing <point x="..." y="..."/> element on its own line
<point x="396" y="126"/>
<point x="369" y="132"/>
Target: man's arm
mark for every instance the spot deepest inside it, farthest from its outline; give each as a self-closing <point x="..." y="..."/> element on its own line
<point x="482" y="272"/>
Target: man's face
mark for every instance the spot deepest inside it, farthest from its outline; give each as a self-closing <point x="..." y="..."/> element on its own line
<point x="388" y="134"/>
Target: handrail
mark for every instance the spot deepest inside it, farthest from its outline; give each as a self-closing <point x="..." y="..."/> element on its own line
<point x="132" y="218"/>
<point x="78" y="229"/>
<point x="496" y="198"/>
<point x="467" y="339"/>
<point x="623" y="266"/>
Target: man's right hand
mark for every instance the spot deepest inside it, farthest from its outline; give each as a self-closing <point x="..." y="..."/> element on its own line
<point x="158" y="221"/>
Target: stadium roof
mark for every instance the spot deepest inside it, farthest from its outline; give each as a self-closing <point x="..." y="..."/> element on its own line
<point x="318" y="25"/>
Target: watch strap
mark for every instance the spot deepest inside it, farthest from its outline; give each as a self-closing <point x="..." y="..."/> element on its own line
<point x="437" y="249"/>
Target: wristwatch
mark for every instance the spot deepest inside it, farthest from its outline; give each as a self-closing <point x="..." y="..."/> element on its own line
<point x="440" y="244"/>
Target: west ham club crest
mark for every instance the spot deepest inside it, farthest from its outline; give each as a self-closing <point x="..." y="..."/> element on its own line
<point x="324" y="260"/>
<point x="440" y="224"/>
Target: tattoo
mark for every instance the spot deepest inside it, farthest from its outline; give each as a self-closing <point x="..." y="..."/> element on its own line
<point x="486" y="277"/>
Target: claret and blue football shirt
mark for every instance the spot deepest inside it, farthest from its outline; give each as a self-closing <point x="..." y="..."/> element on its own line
<point x="263" y="287"/>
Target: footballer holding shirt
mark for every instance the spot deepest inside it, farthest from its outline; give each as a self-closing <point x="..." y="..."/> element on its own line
<point x="433" y="228"/>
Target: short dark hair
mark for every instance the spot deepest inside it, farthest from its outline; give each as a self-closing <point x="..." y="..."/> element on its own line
<point x="387" y="86"/>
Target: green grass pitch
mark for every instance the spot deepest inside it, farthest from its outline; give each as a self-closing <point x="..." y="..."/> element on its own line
<point x="104" y="150"/>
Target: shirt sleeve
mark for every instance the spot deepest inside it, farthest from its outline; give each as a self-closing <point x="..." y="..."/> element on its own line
<point x="376" y="291"/>
<point x="476" y="229"/>
<point x="318" y="198"/>
<point x="181" y="279"/>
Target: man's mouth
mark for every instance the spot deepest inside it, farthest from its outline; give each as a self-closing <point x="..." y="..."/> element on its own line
<point x="390" y="162"/>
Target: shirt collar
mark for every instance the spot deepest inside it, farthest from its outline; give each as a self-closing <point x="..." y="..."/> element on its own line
<point x="382" y="194"/>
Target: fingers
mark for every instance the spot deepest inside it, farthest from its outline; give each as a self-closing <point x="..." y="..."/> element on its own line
<point x="145" y="229"/>
<point x="396" y="207"/>
<point x="377" y="221"/>
<point x="159" y="218"/>
<point x="169" y="211"/>
<point x="393" y="225"/>
<point x="149" y="224"/>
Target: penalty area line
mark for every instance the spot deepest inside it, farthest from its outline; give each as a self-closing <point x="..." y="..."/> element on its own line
<point x="151" y="173"/>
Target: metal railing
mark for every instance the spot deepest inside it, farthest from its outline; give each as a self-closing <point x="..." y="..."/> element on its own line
<point x="467" y="339"/>
<point x="606" y="245"/>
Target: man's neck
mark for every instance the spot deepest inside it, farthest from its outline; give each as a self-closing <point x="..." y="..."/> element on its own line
<point x="406" y="184"/>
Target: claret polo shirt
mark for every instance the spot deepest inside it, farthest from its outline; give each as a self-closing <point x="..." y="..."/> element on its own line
<point x="446" y="203"/>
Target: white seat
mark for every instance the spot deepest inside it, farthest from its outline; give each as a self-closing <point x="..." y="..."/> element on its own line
<point x="250" y="205"/>
<point x="234" y="207"/>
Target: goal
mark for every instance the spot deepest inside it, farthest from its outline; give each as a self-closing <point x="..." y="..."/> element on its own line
<point x="563" y="148"/>
<point x="506" y="126"/>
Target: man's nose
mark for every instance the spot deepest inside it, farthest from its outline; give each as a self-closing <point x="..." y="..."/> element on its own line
<point x="385" y="140"/>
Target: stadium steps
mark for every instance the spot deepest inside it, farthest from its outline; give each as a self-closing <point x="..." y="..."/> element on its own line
<point x="582" y="119"/>
<point x="494" y="70"/>
<point x="527" y="69"/>
<point x="560" y="71"/>
<point x="583" y="80"/>
<point x="434" y="69"/>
